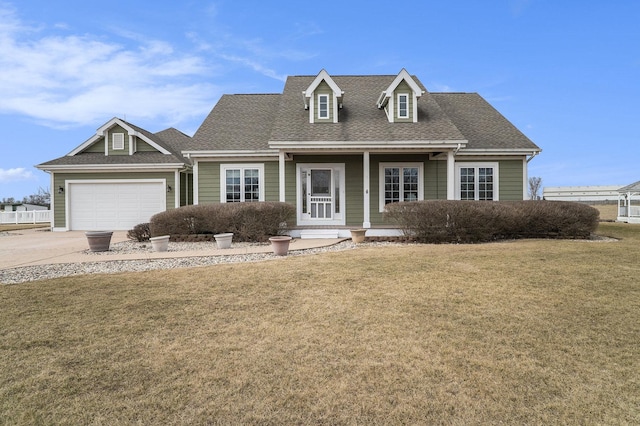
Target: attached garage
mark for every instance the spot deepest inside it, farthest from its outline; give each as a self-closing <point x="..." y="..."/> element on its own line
<point x="114" y="204"/>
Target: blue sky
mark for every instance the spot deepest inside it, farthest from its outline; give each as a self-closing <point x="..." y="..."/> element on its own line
<point x="565" y="73"/>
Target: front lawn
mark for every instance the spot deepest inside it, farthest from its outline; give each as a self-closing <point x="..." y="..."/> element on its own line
<point x="524" y="332"/>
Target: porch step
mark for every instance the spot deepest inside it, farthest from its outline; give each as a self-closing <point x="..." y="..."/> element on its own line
<point x="319" y="233"/>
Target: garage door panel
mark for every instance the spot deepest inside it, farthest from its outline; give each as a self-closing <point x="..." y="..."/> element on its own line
<point x="114" y="205"/>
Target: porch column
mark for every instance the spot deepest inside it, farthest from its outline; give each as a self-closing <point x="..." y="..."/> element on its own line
<point x="365" y="186"/>
<point x="451" y="176"/>
<point x="281" y="176"/>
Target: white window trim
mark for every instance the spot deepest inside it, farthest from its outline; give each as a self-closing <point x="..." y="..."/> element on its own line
<point x="381" y="190"/>
<point x="398" y="105"/>
<point x="119" y="141"/>
<point x="242" y="167"/>
<point x="496" y="173"/>
<point x="320" y="117"/>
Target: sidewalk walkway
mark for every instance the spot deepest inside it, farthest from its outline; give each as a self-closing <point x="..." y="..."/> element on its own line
<point x="31" y="247"/>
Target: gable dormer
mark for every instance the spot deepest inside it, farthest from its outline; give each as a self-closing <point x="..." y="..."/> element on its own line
<point x="323" y="99"/>
<point x="400" y="99"/>
<point x="117" y="137"/>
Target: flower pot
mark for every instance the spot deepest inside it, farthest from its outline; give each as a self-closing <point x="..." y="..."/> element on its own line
<point x="357" y="235"/>
<point x="280" y="244"/>
<point x="160" y="243"/>
<point x="99" y="240"/>
<point x="224" y="240"/>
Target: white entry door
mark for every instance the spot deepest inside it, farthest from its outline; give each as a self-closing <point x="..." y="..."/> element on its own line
<point x="321" y="194"/>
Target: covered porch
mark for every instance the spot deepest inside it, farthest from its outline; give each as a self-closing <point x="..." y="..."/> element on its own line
<point x="629" y="203"/>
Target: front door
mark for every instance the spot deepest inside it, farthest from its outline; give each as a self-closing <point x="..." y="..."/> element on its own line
<point x="320" y="194"/>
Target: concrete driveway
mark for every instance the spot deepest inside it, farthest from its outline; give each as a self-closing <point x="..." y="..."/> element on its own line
<point x="40" y="247"/>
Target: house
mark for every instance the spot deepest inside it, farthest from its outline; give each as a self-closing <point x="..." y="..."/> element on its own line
<point x="338" y="147"/>
<point x="20" y="207"/>
<point x="119" y="177"/>
<point x="601" y="194"/>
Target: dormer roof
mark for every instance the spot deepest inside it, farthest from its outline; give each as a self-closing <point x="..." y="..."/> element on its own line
<point x="403" y="75"/>
<point x="323" y="75"/>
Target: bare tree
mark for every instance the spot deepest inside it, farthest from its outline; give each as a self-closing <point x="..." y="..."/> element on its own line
<point x="535" y="183"/>
<point x="41" y="198"/>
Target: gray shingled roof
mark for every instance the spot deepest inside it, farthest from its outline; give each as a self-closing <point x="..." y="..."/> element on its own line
<point x="240" y="122"/>
<point x="249" y="122"/>
<point x="480" y="123"/>
<point x="359" y="119"/>
<point x="170" y="139"/>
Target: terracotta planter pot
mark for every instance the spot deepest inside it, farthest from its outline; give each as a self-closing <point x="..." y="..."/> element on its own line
<point x="99" y="240"/>
<point x="358" y="235"/>
<point x="223" y="241"/>
<point x="160" y="243"/>
<point x="280" y="245"/>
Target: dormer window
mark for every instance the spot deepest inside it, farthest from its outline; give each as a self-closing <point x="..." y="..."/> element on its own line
<point x="323" y="99"/>
<point x="400" y="99"/>
<point x="323" y="106"/>
<point x="117" y="141"/>
<point x="403" y="105"/>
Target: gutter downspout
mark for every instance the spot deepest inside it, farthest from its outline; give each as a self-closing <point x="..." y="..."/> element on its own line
<point x="533" y="156"/>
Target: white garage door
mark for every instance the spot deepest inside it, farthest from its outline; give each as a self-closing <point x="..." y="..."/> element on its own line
<point x="113" y="206"/>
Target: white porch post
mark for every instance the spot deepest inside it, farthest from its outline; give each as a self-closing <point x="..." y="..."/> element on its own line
<point x="196" y="182"/>
<point x="176" y="189"/>
<point x="365" y="185"/>
<point x="451" y="176"/>
<point x="281" y="176"/>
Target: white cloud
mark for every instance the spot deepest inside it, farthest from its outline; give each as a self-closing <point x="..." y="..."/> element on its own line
<point x="15" y="175"/>
<point x="81" y="79"/>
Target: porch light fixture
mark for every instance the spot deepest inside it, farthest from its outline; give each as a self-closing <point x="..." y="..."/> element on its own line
<point x="169" y="188"/>
<point x="60" y="190"/>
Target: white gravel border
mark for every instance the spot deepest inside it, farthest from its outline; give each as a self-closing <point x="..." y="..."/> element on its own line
<point x="104" y="266"/>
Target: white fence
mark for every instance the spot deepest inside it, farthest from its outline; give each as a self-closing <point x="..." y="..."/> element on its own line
<point x="29" y="216"/>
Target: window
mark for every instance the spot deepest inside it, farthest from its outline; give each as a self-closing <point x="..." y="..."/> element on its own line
<point x="400" y="182"/>
<point x="477" y="181"/>
<point x="323" y="106"/>
<point x="241" y="183"/>
<point x="403" y="105"/>
<point x="117" y="141"/>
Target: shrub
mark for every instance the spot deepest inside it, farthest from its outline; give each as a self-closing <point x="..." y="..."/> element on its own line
<point x="139" y="233"/>
<point x="247" y="221"/>
<point x="446" y="221"/>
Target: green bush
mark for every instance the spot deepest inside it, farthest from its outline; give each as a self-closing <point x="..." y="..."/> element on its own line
<point x="139" y="233"/>
<point x="247" y="221"/>
<point x="445" y="221"/>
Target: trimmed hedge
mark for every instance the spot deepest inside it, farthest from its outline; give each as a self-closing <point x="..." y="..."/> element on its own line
<point x="248" y="221"/>
<point x="139" y="233"/>
<point x="446" y="221"/>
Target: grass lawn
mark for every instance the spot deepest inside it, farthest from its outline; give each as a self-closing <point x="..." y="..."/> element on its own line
<point x="524" y="332"/>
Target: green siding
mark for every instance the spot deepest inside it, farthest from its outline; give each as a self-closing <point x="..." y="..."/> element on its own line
<point x="375" y="160"/>
<point x="208" y="182"/>
<point x="511" y="180"/>
<point x="110" y="132"/>
<point x="98" y="146"/>
<point x="142" y="146"/>
<point x="59" y="180"/>
<point x="435" y="185"/>
<point x="271" y="181"/>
